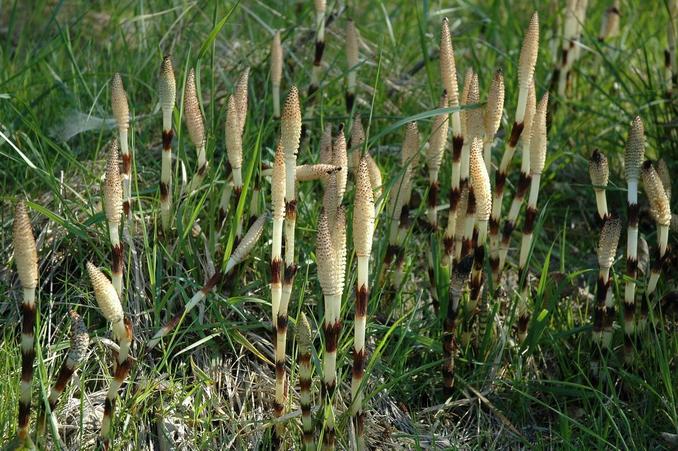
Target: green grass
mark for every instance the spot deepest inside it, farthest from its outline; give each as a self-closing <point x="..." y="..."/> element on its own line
<point x="211" y="381"/>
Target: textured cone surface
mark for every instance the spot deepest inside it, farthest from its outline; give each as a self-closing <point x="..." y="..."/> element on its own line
<point x="105" y="294"/>
<point x="233" y="136"/>
<point x="351" y="44"/>
<point x="25" y="252"/>
<point x="192" y="113"/>
<point x="609" y="240"/>
<point x="326" y="259"/>
<point x="119" y="102"/>
<point x="307" y="172"/>
<point x="240" y="95"/>
<point x="434" y="153"/>
<point x="468" y="80"/>
<point x="357" y="133"/>
<point x="113" y="187"/>
<point x="530" y="110"/>
<point x="340" y="158"/>
<point x="528" y="53"/>
<point x="538" y="143"/>
<point x="363" y="212"/>
<point x="291" y="124"/>
<point x="276" y="59"/>
<point x="248" y="241"/>
<point x="474" y="117"/>
<point x="635" y="150"/>
<point x="410" y="151"/>
<point x="79" y="338"/>
<point x="495" y="105"/>
<point x="375" y="174"/>
<point x="338" y="236"/>
<point x="448" y="67"/>
<point x="304" y="335"/>
<point x="278" y="183"/>
<point x="330" y="200"/>
<point x="168" y="85"/>
<point x="599" y="170"/>
<point x="659" y="202"/>
<point x="480" y="181"/>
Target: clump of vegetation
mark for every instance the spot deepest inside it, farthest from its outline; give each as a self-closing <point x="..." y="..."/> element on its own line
<point x="526" y="343"/>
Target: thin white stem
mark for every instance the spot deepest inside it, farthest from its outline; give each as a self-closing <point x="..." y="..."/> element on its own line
<point x="631" y="253"/>
<point x="601" y="203"/>
<point x="526" y="240"/>
<point x="166" y="180"/>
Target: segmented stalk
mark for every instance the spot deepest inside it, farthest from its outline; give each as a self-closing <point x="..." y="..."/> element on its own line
<point x="460" y="274"/>
<point x="633" y="156"/>
<point x="290" y="136"/>
<point x="575" y="15"/>
<point x="480" y="181"/>
<point x="352" y="59"/>
<point x="537" y="156"/>
<point x="528" y="59"/>
<point x="604" y="314"/>
<point x="320" y="6"/>
<point x="330" y="255"/>
<point x="434" y="157"/>
<point x="523" y="181"/>
<point x="26" y="259"/>
<point x="448" y="75"/>
<point x="456" y="215"/>
<point x="660" y="209"/>
<point x="400" y="197"/>
<point x="363" y="230"/>
<point x="305" y="344"/>
<point x="113" y="206"/>
<point x="168" y="92"/>
<point x="111" y="309"/>
<point x="120" y="109"/>
<point x="279" y="321"/>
